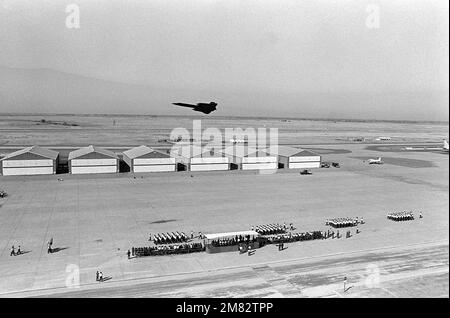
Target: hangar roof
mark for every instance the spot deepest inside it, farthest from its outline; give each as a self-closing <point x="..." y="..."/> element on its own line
<point x="47" y="153"/>
<point x="244" y="151"/>
<point x="193" y="151"/>
<point x="239" y="150"/>
<point x="289" y="152"/>
<point x="90" y="149"/>
<point x="140" y="151"/>
<point x="306" y="153"/>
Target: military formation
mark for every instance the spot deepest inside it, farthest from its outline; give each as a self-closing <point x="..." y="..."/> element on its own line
<point x="233" y="241"/>
<point x="295" y="237"/>
<point x="271" y="229"/>
<point x="169" y="238"/>
<point x="402" y="216"/>
<point x="275" y="233"/>
<point x="344" y="222"/>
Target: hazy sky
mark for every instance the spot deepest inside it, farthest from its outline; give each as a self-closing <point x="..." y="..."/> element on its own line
<point x="304" y="58"/>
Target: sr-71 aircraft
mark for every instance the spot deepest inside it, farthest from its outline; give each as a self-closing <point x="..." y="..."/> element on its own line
<point x="205" y="108"/>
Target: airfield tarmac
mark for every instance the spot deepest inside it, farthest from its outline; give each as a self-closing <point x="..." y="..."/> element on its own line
<point x="410" y="271"/>
<point x="95" y="219"/>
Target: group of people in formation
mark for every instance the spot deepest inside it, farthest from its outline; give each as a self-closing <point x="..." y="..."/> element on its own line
<point x="344" y="222"/>
<point x="403" y="216"/>
<point x="271" y="229"/>
<point x="169" y="238"/>
<point x="296" y="237"/>
<point x="233" y="240"/>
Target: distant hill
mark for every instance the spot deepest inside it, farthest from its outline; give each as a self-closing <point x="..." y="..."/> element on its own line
<point x="49" y="91"/>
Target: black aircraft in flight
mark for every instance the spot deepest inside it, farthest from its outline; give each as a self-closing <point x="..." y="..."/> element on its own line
<point x="205" y="108"/>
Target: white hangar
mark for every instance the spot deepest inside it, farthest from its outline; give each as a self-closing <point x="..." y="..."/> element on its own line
<point x="146" y="159"/>
<point x="248" y="158"/>
<point x="294" y="158"/>
<point x="30" y="161"/>
<point x="93" y="160"/>
<point x="195" y="158"/>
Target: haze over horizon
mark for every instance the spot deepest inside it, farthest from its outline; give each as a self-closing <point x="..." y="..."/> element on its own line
<point x="255" y="58"/>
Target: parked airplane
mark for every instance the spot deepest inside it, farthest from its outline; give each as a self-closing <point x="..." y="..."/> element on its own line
<point x="445" y="148"/>
<point x="205" y="108"/>
<point x="377" y="161"/>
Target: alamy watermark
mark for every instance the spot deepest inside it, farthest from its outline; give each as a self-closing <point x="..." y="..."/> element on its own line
<point x="373" y="19"/>
<point x="247" y="142"/>
<point x="372" y="276"/>
<point x="73" y="16"/>
<point x="73" y="276"/>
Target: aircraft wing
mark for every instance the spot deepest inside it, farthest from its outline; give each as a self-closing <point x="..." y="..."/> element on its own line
<point x="202" y="110"/>
<point x="184" y="105"/>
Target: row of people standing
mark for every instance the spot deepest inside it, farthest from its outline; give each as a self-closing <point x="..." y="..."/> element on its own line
<point x="233" y="241"/>
<point x="165" y="249"/>
<point x="295" y="237"/>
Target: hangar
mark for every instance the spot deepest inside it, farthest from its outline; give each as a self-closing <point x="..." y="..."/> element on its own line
<point x="30" y="161"/>
<point x="294" y="158"/>
<point x="195" y="158"/>
<point x="93" y="160"/>
<point x="146" y="159"/>
<point x="248" y="158"/>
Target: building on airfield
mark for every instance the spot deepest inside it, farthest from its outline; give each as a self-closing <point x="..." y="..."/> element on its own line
<point x="33" y="160"/>
<point x="93" y="159"/>
<point x="146" y="159"/>
<point x="196" y="158"/>
<point x="249" y="158"/>
<point x="294" y="158"/>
